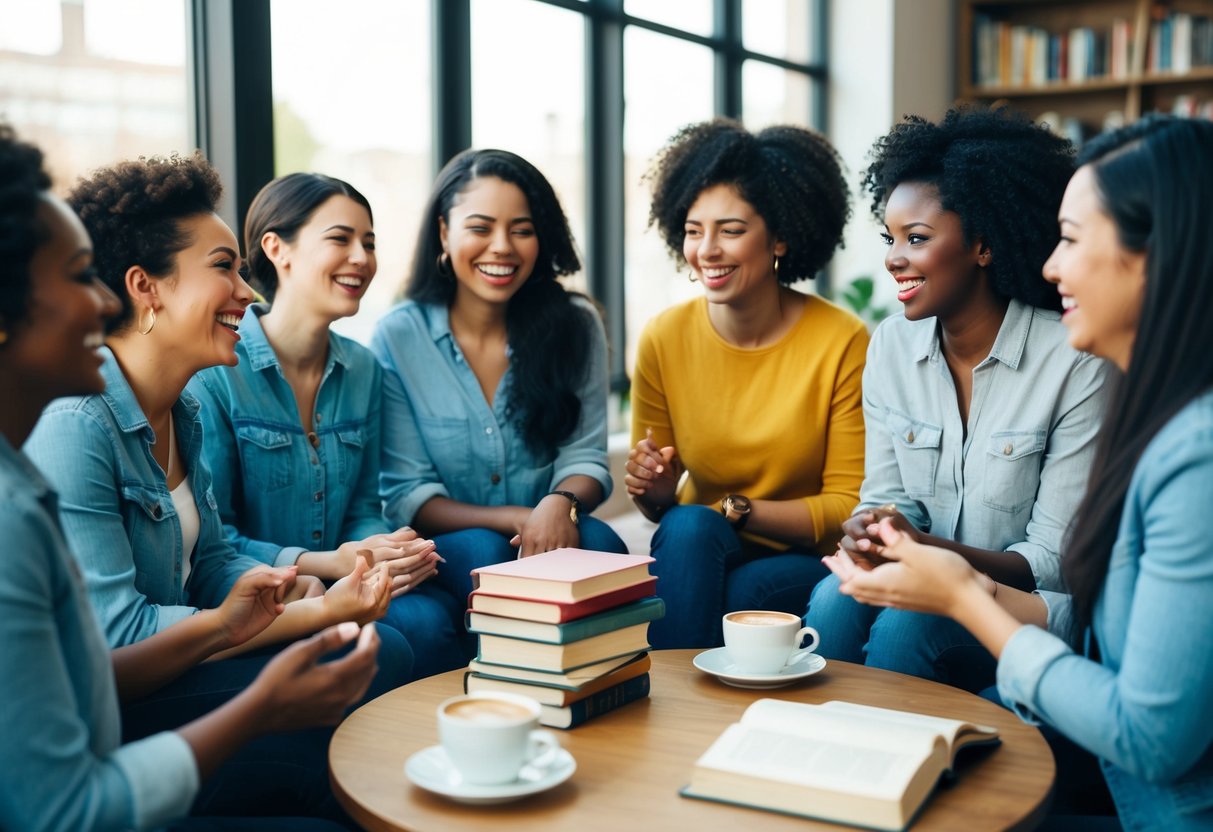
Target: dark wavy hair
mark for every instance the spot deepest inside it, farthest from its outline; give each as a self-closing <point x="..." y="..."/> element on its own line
<point x="1153" y="179"/>
<point x="133" y="212"/>
<point x="549" y="336"/>
<point x="791" y="176"/>
<point x="284" y="206"/>
<point x="22" y="183"/>
<point x="1001" y="173"/>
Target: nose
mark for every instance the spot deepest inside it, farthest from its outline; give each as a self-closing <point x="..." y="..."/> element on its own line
<point x="242" y="293"/>
<point x="895" y="260"/>
<point x="108" y="302"/>
<point x="1049" y="270"/>
<point x="500" y="242"/>
<point x="358" y="254"/>
<point x="709" y="246"/>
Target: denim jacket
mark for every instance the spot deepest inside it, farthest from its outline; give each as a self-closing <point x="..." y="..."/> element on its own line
<point x="64" y="767"/>
<point x="1144" y="708"/>
<point x="441" y="438"/>
<point x="118" y="513"/>
<point x="1013" y="479"/>
<point x="279" y="494"/>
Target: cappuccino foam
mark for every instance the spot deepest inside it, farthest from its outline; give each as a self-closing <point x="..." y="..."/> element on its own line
<point x="762" y="619"/>
<point x="487" y="711"/>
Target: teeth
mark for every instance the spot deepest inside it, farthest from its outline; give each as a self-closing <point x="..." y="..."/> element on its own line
<point x="229" y="320"/>
<point x="720" y="271"/>
<point x="1068" y="302"/>
<point x="94" y="340"/>
<point x="349" y="280"/>
<point x="912" y="283"/>
<point x="494" y="270"/>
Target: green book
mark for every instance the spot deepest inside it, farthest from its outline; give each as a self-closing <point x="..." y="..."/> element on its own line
<point x="638" y="612"/>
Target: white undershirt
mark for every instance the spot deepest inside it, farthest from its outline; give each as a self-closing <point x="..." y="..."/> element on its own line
<point x="187" y="510"/>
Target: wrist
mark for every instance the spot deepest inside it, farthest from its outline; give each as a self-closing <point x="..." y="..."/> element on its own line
<point x="970" y="599"/>
<point x="217" y="635"/>
<point x="574" y="511"/>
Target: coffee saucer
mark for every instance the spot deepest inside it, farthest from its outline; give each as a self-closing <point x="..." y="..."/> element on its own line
<point x="716" y="662"/>
<point x="432" y="770"/>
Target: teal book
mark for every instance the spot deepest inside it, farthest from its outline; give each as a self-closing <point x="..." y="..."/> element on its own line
<point x="570" y="716"/>
<point x="638" y="612"/>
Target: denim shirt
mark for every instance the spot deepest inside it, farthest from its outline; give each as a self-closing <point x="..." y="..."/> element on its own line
<point x="441" y="438"/>
<point x="64" y="767"/>
<point x="1013" y="479"/>
<point x="1144" y="708"/>
<point x="279" y="494"/>
<point x="118" y="513"/>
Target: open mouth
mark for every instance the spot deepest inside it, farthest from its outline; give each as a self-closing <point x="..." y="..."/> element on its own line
<point x="717" y="275"/>
<point x="351" y="282"/>
<point x="229" y="320"/>
<point x="498" y="274"/>
<point x="1068" y="304"/>
<point x="908" y="287"/>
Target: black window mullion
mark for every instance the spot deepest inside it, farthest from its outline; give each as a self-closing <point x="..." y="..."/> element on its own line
<point x="451" y="62"/>
<point x="728" y="57"/>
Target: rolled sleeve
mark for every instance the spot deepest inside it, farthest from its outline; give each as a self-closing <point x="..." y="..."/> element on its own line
<point x="162" y="775"/>
<point x="585" y="452"/>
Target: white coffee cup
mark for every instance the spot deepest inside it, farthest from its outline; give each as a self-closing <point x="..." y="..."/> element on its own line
<point x="763" y="642"/>
<point x="489" y="737"/>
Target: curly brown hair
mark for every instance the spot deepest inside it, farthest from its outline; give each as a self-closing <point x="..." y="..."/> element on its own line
<point x="791" y="175"/>
<point x="22" y="183"/>
<point x="133" y="211"/>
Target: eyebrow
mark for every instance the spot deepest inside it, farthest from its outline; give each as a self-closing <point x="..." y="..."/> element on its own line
<point x="720" y="221"/>
<point x="487" y="218"/>
<point x="223" y="250"/>
<point x="1060" y="220"/>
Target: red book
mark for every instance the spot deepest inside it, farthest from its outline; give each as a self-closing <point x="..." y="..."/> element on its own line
<point x="555" y="612"/>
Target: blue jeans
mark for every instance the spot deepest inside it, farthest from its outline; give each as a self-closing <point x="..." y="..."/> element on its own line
<point x="703" y="573"/>
<point x="429" y="617"/>
<point x="469" y="549"/>
<point x="926" y="646"/>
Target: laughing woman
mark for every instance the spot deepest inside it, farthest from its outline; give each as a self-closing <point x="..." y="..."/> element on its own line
<point x="495" y="383"/>
<point x="981" y="421"/>
<point x="293" y="430"/>
<point x="1135" y="270"/>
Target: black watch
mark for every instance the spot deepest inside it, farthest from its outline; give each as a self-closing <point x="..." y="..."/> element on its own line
<point x="574" y="509"/>
<point x="736" y="509"/>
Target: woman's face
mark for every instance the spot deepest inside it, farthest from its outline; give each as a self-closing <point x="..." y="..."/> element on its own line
<point x="54" y="347"/>
<point x="935" y="269"/>
<point x="491" y="240"/>
<point x="203" y="301"/>
<point x="1102" y="284"/>
<point x="331" y="261"/>
<point x="728" y="246"/>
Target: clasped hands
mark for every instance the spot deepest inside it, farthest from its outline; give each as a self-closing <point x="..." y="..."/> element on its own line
<point x="652" y="473"/>
<point x="407" y="559"/>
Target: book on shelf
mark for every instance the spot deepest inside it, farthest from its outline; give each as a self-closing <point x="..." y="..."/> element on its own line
<point x="565" y="575"/>
<point x="1006" y="55"/>
<point x="559" y="696"/>
<point x="637" y="612"/>
<point x="555" y="612"/>
<point x="562" y="657"/>
<point x="571" y="679"/>
<point x="836" y="761"/>
<point x="570" y="716"/>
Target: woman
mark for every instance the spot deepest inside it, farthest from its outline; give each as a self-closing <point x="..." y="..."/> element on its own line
<point x="293" y="430"/>
<point x="1135" y="274"/>
<point x="753" y="391"/>
<point x="135" y="495"/>
<point x="981" y="421"/>
<point x="495" y="383"/>
<point x="63" y="763"/>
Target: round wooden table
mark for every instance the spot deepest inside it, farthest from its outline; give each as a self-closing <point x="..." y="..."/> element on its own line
<point x="632" y="762"/>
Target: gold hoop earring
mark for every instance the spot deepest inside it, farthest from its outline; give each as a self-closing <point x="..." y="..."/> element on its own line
<point x="145" y="330"/>
<point x="3" y="337"/>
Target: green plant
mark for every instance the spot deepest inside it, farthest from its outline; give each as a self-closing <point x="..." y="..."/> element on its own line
<point x="860" y="296"/>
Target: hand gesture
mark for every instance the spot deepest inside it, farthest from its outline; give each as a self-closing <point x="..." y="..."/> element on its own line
<point x="546" y="527"/>
<point x="382" y="547"/>
<point x="407" y="565"/>
<point x="298" y="692"/>
<point x="861" y="534"/>
<point x="255" y="600"/>
<point x="361" y="596"/>
<point x="912" y="577"/>
<point x="652" y="473"/>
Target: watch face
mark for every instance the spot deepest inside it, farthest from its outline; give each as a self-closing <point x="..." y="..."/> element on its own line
<point x="739" y="504"/>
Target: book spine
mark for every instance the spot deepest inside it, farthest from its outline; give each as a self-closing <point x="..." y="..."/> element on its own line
<point x="639" y="612"/>
<point x="604" y="701"/>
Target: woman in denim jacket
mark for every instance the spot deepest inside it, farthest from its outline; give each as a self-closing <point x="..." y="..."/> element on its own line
<point x="981" y="420"/>
<point x="1123" y="665"/>
<point x="495" y="379"/>
<point x="64" y="763"/>
<point x="293" y="430"/>
<point x="136" y="499"/>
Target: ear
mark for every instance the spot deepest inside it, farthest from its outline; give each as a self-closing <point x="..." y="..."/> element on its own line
<point x="144" y="290"/>
<point x="984" y="255"/>
<point x="275" y="249"/>
<point x="781" y="248"/>
<point x="442" y="233"/>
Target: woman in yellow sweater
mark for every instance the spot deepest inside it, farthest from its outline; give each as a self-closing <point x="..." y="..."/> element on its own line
<point x="753" y="391"/>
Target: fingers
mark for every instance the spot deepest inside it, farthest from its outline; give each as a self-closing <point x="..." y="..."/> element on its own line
<point x="364" y="560"/>
<point x="891" y="535"/>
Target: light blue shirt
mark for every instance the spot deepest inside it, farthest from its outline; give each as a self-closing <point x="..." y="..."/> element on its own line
<point x="1144" y="708"/>
<point x="441" y="438"/>
<point x="279" y="494"/>
<point x="118" y="513"/>
<point x="1014" y="479"/>
<point x="63" y="762"/>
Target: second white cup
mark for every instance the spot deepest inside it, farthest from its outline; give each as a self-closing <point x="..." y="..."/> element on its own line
<point x="763" y="642"/>
<point x="489" y="737"/>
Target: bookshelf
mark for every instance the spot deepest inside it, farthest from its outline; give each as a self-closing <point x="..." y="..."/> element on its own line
<point x="1086" y="63"/>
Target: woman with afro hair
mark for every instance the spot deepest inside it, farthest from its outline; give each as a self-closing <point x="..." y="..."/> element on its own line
<point x="981" y="419"/>
<point x="753" y="391"/>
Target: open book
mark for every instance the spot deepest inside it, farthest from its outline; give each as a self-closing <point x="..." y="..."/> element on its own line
<point x="836" y="761"/>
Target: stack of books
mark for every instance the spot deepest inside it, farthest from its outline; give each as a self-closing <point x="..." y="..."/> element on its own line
<point x="568" y="628"/>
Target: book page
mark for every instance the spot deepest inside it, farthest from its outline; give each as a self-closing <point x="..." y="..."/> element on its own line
<point x="949" y="729"/>
<point x="822" y="723"/>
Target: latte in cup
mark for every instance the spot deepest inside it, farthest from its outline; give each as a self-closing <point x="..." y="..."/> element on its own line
<point x="488" y="737"/>
<point x="762" y="619"/>
<point x="487" y="711"/>
<point x="764" y="642"/>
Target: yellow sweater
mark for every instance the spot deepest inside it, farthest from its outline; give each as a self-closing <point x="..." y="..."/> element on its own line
<point x="780" y="422"/>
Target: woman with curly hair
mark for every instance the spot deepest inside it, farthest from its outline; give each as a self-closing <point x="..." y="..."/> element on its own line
<point x="751" y="391"/>
<point x="495" y="382"/>
<point x="293" y="430"/>
<point x="65" y="766"/>
<point x="981" y="420"/>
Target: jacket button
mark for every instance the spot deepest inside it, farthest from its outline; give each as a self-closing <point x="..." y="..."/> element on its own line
<point x="496" y="478"/>
<point x="315" y="535"/>
<point x="910" y="437"/>
<point x="1006" y="451"/>
<point x="318" y="496"/>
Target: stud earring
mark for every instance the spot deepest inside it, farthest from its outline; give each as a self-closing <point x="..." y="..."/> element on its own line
<point x="444" y="265"/>
<point x="776" y="266"/>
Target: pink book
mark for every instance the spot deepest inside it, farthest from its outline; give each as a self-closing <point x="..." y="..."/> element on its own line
<point x="562" y="575"/>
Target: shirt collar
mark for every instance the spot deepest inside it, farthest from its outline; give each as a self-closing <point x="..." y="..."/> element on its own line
<point x="258" y="351"/>
<point x="438" y="318"/>
<point x="1008" y="345"/>
<point x="120" y="398"/>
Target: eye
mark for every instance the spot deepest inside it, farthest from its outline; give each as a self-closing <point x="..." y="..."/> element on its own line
<point x="915" y="239"/>
<point x="224" y="265"/>
<point x="732" y="232"/>
<point x="338" y="238"/>
<point x="1066" y="239"/>
<point x="887" y="238"/>
<point x="692" y="232"/>
<point x="369" y="245"/>
<point x="478" y="229"/>
<point x="524" y="231"/>
<point x="87" y="276"/>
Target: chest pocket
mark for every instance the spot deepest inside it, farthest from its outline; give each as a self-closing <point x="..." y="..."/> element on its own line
<point x="148" y="517"/>
<point x="916" y="445"/>
<point x="352" y="441"/>
<point x="265" y="455"/>
<point x="1012" y="475"/>
<point x="449" y="445"/>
